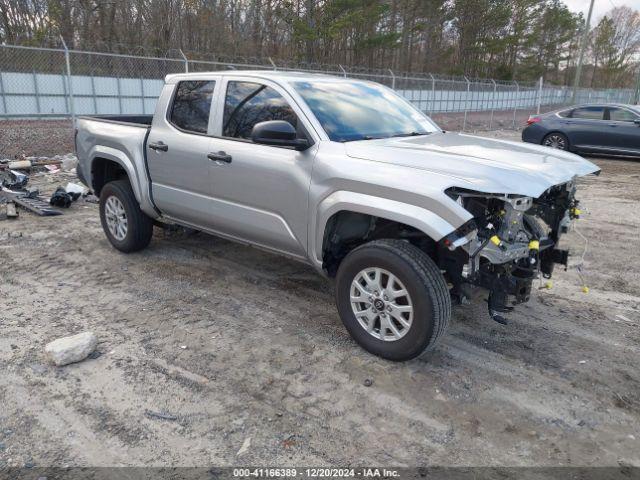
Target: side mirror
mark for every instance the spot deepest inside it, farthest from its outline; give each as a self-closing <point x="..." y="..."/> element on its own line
<point x="637" y="121"/>
<point x="279" y="134"/>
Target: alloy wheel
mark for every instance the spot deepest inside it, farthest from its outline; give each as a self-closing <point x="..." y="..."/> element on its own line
<point x="381" y="304"/>
<point x="116" y="217"/>
<point x="556" y="141"/>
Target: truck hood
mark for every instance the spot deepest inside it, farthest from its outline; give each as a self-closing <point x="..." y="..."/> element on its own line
<point x="477" y="163"/>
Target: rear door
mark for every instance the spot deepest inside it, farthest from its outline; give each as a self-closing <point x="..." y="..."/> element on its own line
<point x="586" y="127"/>
<point x="177" y="150"/>
<point x="623" y="134"/>
<point x="260" y="192"/>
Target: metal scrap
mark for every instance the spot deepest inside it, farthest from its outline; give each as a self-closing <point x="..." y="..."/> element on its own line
<point x="35" y="205"/>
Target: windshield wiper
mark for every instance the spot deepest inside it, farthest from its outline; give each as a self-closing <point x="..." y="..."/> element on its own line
<point x="364" y="137"/>
<point x="410" y="134"/>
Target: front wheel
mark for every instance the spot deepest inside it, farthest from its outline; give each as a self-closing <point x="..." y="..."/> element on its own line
<point x="393" y="299"/>
<point x="556" y="140"/>
<point x="126" y="226"/>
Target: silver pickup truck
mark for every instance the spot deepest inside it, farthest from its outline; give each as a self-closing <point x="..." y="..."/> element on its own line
<point x="344" y="175"/>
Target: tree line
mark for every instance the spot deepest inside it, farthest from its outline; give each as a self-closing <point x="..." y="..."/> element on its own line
<point x="501" y="39"/>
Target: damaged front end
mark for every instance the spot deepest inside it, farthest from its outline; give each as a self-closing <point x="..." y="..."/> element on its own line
<point x="510" y="241"/>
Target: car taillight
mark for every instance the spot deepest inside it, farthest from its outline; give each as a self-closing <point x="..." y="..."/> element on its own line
<point x="533" y="119"/>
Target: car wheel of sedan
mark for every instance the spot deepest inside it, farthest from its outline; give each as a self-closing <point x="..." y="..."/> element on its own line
<point x="556" y="140"/>
<point x="393" y="299"/>
<point x="126" y="226"/>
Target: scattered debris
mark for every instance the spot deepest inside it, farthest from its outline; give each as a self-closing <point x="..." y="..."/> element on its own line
<point x="32" y="192"/>
<point x="14" y="180"/>
<point x="245" y="447"/>
<point x="35" y="205"/>
<point x="20" y="165"/>
<point x="160" y="415"/>
<point x="11" y="210"/>
<point x="61" y="198"/>
<point x="74" y="188"/>
<point x="75" y="348"/>
<point x="367" y="382"/>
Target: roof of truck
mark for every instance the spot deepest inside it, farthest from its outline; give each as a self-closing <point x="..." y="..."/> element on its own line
<point x="273" y="74"/>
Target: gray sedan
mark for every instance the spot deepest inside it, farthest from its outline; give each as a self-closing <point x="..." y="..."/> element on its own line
<point x="599" y="128"/>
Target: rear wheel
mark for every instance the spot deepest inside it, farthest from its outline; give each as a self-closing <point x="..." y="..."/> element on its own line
<point x="126" y="226"/>
<point x="393" y="299"/>
<point x="556" y="140"/>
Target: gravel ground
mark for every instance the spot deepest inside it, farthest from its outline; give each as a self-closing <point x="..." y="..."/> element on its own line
<point x="243" y="354"/>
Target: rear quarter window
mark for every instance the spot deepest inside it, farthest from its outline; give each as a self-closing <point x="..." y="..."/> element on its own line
<point x="191" y="105"/>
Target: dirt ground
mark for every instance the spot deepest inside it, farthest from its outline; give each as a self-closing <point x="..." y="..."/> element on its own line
<point x="213" y="353"/>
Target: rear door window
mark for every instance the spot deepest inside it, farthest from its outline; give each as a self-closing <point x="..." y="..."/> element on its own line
<point x="248" y="103"/>
<point x="191" y="105"/>
<point x="621" y="115"/>
<point x="588" y="113"/>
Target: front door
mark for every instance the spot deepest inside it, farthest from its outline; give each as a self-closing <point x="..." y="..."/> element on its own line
<point x="586" y="127"/>
<point x="177" y="150"/>
<point x="259" y="192"/>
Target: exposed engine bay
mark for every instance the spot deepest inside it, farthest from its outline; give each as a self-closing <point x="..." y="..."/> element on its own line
<point x="511" y="241"/>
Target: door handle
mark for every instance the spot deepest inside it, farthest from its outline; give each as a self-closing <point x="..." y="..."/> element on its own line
<point x="160" y="146"/>
<point x="219" y="157"/>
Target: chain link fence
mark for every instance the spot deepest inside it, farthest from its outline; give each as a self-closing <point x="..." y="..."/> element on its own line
<point x="39" y="83"/>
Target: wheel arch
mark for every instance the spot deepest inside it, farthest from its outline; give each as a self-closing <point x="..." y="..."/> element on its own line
<point x="361" y="208"/>
<point x="108" y="164"/>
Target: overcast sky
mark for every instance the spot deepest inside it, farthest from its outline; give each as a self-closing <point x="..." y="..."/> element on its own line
<point x="600" y="7"/>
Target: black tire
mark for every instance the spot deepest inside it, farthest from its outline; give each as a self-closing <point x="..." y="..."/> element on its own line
<point x="421" y="278"/>
<point x="556" y="138"/>
<point x="139" y="226"/>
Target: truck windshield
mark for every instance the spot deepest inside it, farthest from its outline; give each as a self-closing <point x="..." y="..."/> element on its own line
<point x="351" y="111"/>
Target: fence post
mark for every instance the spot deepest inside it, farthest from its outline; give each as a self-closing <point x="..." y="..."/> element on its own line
<point x="93" y="94"/>
<point x="4" y="99"/>
<point x="344" y="72"/>
<point x="433" y="95"/>
<point x="186" y="61"/>
<point x="35" y="90"/>
<point x="493" y="100"/>
<point x="67" y="61"/>
<point x="515" y="104"/>
<point x="539" y="95"/>
<point x="464" y="122"/>
<point x="119" y="95"/>
<point x="393" y="79"/>
<point x="273" y="64"/>
<point x="144" y="107"/>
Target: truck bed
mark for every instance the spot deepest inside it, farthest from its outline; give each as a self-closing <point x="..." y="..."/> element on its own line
<point x="134" y="120"/>
<point x="119" y="139"/>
